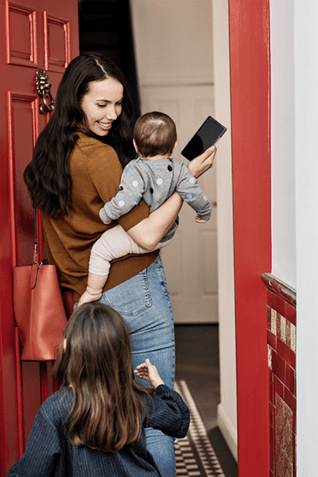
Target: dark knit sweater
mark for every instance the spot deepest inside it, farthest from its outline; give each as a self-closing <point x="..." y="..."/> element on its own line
<point x="50" y="454"/>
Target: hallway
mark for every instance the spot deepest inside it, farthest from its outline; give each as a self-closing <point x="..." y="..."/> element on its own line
<point x="197" y="363"/>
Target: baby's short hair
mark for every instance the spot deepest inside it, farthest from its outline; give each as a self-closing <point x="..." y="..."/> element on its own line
<point x="155" y="133"/>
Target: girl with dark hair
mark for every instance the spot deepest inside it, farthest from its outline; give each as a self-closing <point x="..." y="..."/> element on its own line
<point x="94" y="426"/>
<point x="76" y="168"/>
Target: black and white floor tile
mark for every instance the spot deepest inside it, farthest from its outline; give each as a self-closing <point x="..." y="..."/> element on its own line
<point x="194" y="453"/>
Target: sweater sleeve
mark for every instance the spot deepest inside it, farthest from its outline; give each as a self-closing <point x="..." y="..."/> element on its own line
<point x="168" y="412"/>
<point x="44" y="452"/>
<point x="191" y="192"/>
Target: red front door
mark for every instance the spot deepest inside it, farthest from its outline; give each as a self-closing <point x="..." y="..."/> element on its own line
<point x="34" y="34"/>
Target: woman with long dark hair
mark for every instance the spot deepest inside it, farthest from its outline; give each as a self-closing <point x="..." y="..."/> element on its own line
<point x="95" y="425"/>
<point x="76" y="168"/>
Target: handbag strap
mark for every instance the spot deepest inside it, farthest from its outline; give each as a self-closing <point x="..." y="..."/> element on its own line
<point x="35" y="253"/>
<point x="34" y="276"/>
<point x="35" y="231"/>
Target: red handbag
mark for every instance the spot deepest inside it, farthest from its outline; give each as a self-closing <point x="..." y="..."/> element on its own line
<point x="38" y="308"/>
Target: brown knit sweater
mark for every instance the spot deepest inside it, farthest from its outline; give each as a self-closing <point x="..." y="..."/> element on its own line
<point x="95" y="171"/>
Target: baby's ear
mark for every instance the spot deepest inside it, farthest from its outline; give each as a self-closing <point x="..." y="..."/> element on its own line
<point x="174" y="147"/>
<point x="135" y="146"/>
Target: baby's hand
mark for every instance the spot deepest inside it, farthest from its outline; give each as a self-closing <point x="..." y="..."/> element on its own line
<point x="106" y="223"/>
<point x="149" y="372"/>
<point x="198" y="220"/>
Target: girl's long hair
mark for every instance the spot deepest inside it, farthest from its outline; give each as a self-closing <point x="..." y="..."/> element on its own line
<point x="107" y="409"/>
<point x="47" y="176"/>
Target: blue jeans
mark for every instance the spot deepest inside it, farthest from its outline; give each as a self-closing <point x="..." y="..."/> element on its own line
<point x="145" y="304"/>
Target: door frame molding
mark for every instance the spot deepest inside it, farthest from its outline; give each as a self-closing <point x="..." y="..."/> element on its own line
<point x="251" y="153"/>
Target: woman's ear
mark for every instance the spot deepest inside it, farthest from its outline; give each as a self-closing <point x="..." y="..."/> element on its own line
<point x="64" y="344"/>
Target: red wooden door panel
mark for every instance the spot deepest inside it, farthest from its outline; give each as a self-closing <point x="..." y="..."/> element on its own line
<point x="34" y="34"/>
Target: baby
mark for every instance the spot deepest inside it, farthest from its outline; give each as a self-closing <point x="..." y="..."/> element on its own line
<point x="154" y="176"/>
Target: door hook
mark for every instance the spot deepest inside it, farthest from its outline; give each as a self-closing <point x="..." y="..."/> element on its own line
<point x="44" y="89"/>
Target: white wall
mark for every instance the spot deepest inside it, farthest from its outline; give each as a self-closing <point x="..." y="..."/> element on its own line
<point x="294" y="46"/>
<point x="306" y="114"/>
<point x="227" y="410"/>
<point x="283" y="141"/>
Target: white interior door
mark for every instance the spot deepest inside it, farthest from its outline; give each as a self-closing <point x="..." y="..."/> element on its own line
<point x="174" y="52"/>
<point x="190" y="260"/>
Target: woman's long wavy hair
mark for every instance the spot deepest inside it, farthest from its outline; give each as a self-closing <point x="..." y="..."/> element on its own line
<point x="95" y="360"/>
<point x="47" y="176"/>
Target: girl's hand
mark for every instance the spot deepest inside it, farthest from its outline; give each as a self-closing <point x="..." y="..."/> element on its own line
<point x="149" y="372"/>
<point x="202" y="163"/>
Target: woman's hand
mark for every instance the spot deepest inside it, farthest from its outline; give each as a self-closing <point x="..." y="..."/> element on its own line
<point x="202" y="163"/>
<point x="149" y="372"/>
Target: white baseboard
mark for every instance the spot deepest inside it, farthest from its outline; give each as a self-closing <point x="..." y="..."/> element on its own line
<point x="228" y="431"/>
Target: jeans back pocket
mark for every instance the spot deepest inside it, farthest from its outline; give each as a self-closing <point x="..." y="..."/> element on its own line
<point x="131" y="297"/>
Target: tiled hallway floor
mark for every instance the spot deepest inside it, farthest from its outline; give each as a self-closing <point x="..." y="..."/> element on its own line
<point x="197" y="362"/>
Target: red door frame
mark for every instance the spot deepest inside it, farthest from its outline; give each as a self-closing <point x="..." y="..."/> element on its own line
<point x="250" y="108"/>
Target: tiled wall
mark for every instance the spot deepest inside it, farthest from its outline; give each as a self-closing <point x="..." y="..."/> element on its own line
<point x="281" y="342"/>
